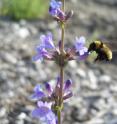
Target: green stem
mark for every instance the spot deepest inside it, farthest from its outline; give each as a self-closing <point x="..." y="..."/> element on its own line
<point x="59" y="116"/>
<point x="61" y="67"/>
<point x="63" y="7"/>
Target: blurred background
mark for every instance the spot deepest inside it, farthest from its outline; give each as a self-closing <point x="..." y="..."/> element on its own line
<point x="94" y="84"/>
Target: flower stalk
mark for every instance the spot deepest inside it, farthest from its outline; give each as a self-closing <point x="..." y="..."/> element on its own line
<point x="50" y="103"/>
<point x="61" y="67"/>
<point x="63" y="7"/>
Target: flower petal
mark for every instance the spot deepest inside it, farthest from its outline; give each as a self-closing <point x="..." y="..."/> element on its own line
<point x="80" y="43"/>
<point x="38" y="93"/>
<point x="80" y="46"/>
<point x="41" y="52"/>
<point x="51" y="118"/>
<point x="43" y="110"/>
<point x="82" y="40"/>
<point x="84" y="56"/>
<point x="37" y="96"/>
<point x="37" y="57"/>
<point x="47" y="41"/>
<point x="44" y="104"/>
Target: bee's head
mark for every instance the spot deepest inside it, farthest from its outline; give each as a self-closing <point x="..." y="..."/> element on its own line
<point x="92" y="47"/>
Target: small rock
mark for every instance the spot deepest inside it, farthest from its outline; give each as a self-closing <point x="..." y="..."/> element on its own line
<point x="23" y="32"/>
<point x="10" y="58"/>
<point x="105" y="78"/>
<point x="81" y="73"/>
<point x="93" y="80"/>
<point x="113" y="121"/>
<point x="2" y="112"/>
<point x="113" y="88"/>
<point x="73" y="64"/>
<point x="15" y="26"/>
<point x="95" y="121"/>
<point x="22" y="116"/>
<point x="80" y="115"/>
<point x="52" y="25"/>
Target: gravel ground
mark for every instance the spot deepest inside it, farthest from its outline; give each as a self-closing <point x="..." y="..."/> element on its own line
<point x="94" y="84"/>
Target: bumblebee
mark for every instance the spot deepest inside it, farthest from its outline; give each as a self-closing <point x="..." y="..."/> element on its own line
<point x="102" y="50"/>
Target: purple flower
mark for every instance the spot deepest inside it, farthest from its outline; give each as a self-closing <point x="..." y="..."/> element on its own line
<point x="48" y="87"/>
<point x="44" y="112"/>
<point x="41" y="52"/>
<point x="56" y="11"/>
<point x="54" y="7"/>
<point x="78" y="51"/>
<point x="67" y="85"/>
<point x="47" y="41"/>
<point x="55" y="4"/>
<point x="51" y="118"/>
<point x="83" y="57"/>
<point x="67" y="91"/>
<point x="42" y="49"/>
<point x="61" y="15"/>
<point x="79" y="45"/>
<point x="38" y="93"/>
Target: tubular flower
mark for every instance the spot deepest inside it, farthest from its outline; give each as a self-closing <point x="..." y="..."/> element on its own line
<point x="47" y="41"/>
<point x="79" y="45"/>
<point x="48" y="87"/>
<point x="78" y="50"/>
<point x="41" y="53"/>
<point x="44" y="48"/>
<point x="57" y="13"/>
<point x="38" y="93"/>
<point x="54" y="8"/>
<point x="42" y="94"/>
<point x="67" y="85"/>
<point x="81" y="50"/>
<point x="44" y="112"/>
<point x="67" y="89"/>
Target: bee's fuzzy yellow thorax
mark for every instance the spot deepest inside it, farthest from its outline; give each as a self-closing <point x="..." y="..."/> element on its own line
<point x="98" y="43"/>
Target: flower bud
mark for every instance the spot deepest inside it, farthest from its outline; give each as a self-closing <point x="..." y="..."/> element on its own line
<point x="67" y="85"/>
